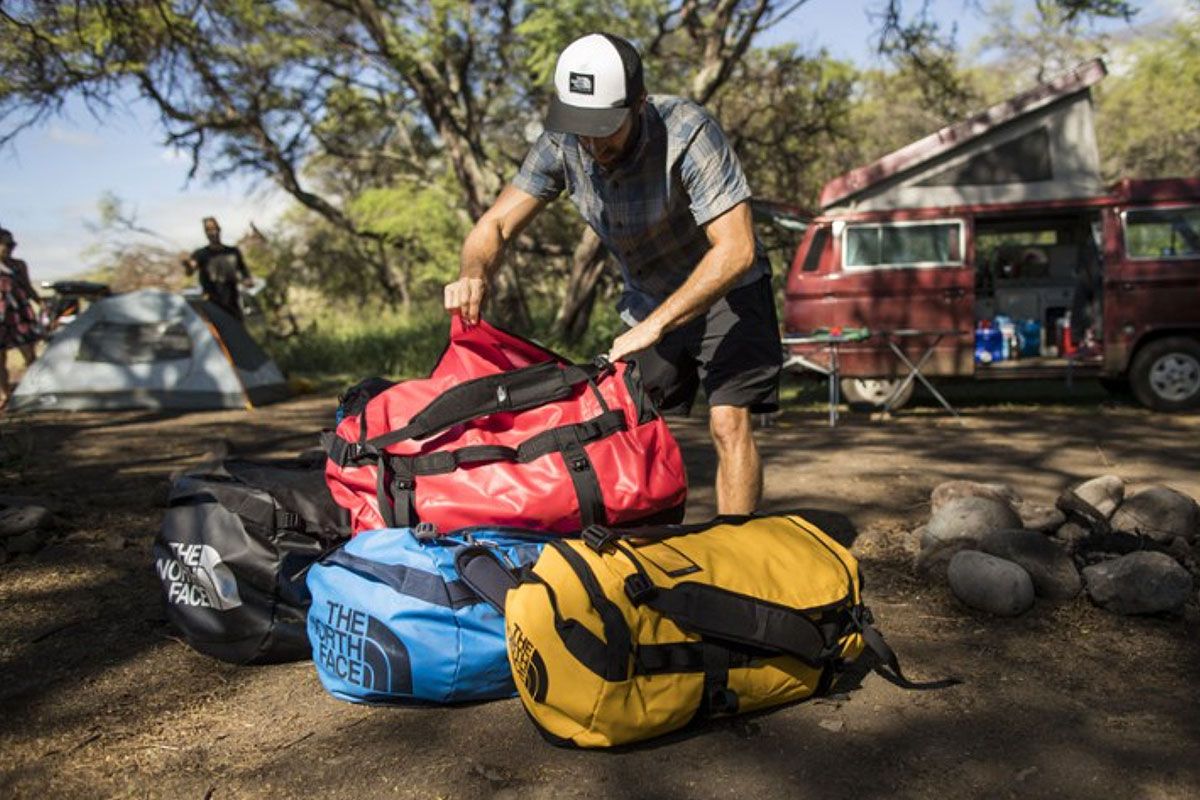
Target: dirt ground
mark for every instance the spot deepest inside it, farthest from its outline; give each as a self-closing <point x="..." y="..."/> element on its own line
<point x="98" y="697"/>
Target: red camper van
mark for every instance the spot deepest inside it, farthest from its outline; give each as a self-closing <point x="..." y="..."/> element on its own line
<point x="998" y="234"/>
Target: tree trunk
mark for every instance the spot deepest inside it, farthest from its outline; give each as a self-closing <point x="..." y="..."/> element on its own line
<point x="588" y="265"/>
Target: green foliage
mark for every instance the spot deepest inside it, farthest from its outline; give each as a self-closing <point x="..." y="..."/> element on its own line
<point x="347" y="346"/>
<point x="422" y="223"/>
<point x="1148" y="121"/>
<point x="341" y="346"/>
<point x="551" y="24"/>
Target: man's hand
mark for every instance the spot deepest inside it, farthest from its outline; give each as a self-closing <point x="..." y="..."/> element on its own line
<point x="466" y="296"/>
<point x="646" y="333"/>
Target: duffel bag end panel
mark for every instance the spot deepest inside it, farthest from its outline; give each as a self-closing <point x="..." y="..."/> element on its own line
<point x="392" y="622"/>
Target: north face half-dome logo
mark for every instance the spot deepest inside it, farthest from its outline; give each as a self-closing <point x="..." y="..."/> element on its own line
<point x="527" y="664"/>
<point x="196" y="576"/>
<point x="582" y="83"/>
<point x="361" y="650"/>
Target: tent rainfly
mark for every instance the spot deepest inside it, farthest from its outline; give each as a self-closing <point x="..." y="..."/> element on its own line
<point x="150" y="349"/>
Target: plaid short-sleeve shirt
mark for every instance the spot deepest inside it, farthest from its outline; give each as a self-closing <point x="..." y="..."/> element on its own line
<point x="651" y="210"/>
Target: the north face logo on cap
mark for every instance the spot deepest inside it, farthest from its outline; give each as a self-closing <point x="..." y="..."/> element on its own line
<point x="582" y="83"/>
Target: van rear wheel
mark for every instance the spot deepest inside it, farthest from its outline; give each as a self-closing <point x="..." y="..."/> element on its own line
<point x="871" y="394"/>
<point x="1166" y="374"/>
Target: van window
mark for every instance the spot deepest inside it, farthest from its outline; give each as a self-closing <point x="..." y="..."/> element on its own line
<point x="903" y="244"/>
<point x="812" y="260"/>
<point x="1163" y="232"/>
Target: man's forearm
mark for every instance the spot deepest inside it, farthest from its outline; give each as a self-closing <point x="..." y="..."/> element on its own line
<point x="482" y="251"/>
<point x="715" y="275"/>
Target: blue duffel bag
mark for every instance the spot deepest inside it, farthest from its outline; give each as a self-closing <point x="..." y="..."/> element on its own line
<point x="391" y="622"/>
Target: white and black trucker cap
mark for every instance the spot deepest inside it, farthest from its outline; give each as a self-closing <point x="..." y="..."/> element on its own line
<point x="597" y="79"/>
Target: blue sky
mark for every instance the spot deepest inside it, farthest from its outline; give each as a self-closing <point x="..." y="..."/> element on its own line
<point x="54" y="175"/>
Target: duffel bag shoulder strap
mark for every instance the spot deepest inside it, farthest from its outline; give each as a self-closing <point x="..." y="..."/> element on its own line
<point x="483" y="572"/>
<point x="516" y="390"/>
<point x="713" y="612"/>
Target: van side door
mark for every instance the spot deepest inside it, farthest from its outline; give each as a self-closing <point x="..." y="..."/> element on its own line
<point x="906" y="275"/>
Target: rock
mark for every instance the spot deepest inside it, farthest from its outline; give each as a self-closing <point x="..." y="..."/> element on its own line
<point x="1145" y="582"/>
<point x="832" y="725"/>
<point x="943" y="493"/>
<point x="969" y="517"/>
<point x="1071" y="535"/>
<point x="1040" y="517"/>
<point x="19" y="520"/>
<point x="26" y="543"/>
<point x="932" y="561"/>
<point x="1049" y="566"/>
<point x="990" y="584"/>
<point x="1104" y="493"/>
<point x="1180" y="550"/>
<point x="1160" y="513"/>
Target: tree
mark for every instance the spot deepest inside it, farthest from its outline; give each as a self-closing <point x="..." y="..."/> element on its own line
<point x="1148" y="118"/>
<point x="351" y="105"/>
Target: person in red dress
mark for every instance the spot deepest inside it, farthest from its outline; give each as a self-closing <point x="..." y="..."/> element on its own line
<point x="18" y="321"/>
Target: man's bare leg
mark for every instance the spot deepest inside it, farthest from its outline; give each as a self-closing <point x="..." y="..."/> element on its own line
<point x="739" y="469"/>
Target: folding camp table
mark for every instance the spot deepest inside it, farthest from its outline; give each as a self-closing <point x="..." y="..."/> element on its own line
<point x="914" y="370"/>
<point x="831" y="342"/>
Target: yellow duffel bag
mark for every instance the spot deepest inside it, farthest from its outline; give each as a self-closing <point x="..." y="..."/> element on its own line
<point x="630" y="634"/>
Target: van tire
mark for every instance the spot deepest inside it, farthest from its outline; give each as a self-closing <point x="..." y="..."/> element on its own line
<point x="1165" y="374"/>
<point x="870" y="394"/>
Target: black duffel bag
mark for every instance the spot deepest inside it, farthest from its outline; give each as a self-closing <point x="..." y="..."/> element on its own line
<point x="230" y="554"/>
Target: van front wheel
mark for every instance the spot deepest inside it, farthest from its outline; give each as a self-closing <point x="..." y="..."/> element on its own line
<point x="1166" y="374"/>
<point x="871" y="394"/>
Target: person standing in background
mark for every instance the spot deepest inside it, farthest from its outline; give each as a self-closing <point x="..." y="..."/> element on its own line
<point x="18" y="321"/>
<point x="220" y="266"/>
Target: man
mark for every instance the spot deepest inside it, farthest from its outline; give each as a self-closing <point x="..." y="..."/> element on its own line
<point x="660" y="185"/>
<point x="220" y="266"/>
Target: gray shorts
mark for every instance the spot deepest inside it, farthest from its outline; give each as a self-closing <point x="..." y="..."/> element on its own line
<point x="733" y="351"/>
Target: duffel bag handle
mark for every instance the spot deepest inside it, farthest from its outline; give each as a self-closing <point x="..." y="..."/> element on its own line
<point x="516" y="390"/>
<point x="483" y="572"/>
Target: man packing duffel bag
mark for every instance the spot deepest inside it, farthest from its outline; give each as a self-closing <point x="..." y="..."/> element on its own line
<point x="391" y="622"/>
<point x="232" y="544"/>
<point x="505" y="432"/>
<point x="634" y="633"/>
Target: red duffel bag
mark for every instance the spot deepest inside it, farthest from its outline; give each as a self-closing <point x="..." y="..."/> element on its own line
<point x="504" y="432"/>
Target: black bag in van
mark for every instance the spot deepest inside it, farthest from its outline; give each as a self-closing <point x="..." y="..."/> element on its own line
<point x="234" y="542"/>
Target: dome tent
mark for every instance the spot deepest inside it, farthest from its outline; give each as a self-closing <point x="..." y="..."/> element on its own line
<point x="150" y="349"/>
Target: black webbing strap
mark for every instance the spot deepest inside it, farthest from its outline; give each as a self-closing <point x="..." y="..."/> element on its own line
<point x="288" y="521"/>
<point x="483" y="572"/>
<point x="713" y="612"/>
<point x="676" y="657"/>
<point x="398" y="500"/>
<point x="583" y="476"/>
<point x="617" y="639"/>
<point x="718" y="698"/>
<point x="516" y="390"/>
<point x="405" y="580"/>
<point x="403" y="494"/>
<point x="531" y="449"/>
<point x="887" y="657"/>
<point x="381" y="493"/>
